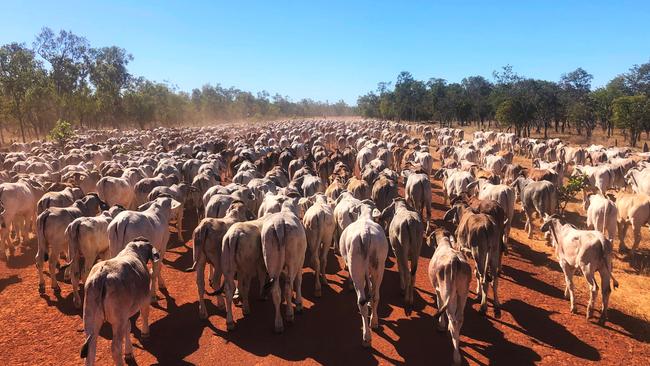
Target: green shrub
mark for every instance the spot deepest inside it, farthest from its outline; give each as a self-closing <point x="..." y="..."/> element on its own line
<point x="569" y="191"/>
<point x="62" y="132"/>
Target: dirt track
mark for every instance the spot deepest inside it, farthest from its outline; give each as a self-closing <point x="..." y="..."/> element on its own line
<point x="536" y="326"/>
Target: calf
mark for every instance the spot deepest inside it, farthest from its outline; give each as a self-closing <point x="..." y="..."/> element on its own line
<point x="319" y="229"/>
<point x="601" y="215"/>
<point x="87" y="237"/>
<point x="208" y="236"/>
<point x="405" y="229"/>
<point x="587" y="250"/>
<point x="479" y="234"/>
<point x="535" y="196"/>
<point x="450" y="275"/>
<point x="117" y="289"/>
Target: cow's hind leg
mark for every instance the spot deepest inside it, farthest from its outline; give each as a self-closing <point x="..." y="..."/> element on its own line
<point x="119" y="329"/>
<point x="297" y="286"/>
<point x="569" y="290"/>
<point x="200" y="285"/>
<point x="277" y="301"/>
<point x="605" y="278"/>
<point x="128" y="346"/>
<point x="376" y="279"/>
<point x="589" y="274"/>
<point x="622" y="230"/>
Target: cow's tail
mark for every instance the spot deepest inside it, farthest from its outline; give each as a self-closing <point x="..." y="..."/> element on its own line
<point x="415" y="248"/>
<point x="41" y="237"/>
<point x="72" y="233"/>
<point x="114" y="238"/>
<point x="607" y="259"/>
<point x="43" y="204"/>
<point x="93" y="302"/>
<point x="365" y="242"/>
<point x="199" y="238"/>
<point x="274" y="267"/>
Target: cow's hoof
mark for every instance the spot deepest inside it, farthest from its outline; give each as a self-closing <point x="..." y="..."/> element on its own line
<point x="574" y="311"/>
<point x="299" y="308"/>
<point x="366" y="343"/>
<point x="41" y="288"/>
<point x="144" y="336"/>
<point x="323" y="281"/>
<point x="497" y="313"/>
<point x="154" y="299"/>
<point x="482" y="310"/>
<point x="278" y="330"/>
<point x="318" y="293"/>
<point x="129" y="357"/>
<point x="230" y="326"/>
<point x="77" y="303"/>
<point x="203" y="315"/>
<point x="245" y="311"/>
<point x="374" y="326"/>
<point x="602" y="320"/>
<point x="56" y="290"/>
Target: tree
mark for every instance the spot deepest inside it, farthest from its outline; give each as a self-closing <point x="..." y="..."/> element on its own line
<point x="517" y="112"/>
<point x="18" y="73"/>
<point x="109" y="75"/>
<point x="478" y="90"/>
<point x="69" y="59"/>
<point x="603" y="102"/>
<point x="633" y="114"/>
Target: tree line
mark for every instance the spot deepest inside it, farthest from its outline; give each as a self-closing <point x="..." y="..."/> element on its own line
<point x="62" y="77"/>
<point x="518" y="103"/>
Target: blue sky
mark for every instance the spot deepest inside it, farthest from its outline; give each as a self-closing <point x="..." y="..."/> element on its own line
<point x="330" y="50"/>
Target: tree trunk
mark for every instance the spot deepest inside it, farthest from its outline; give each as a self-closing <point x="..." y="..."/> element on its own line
<point x="545" y="129"/>
<point x="22" y="128"/>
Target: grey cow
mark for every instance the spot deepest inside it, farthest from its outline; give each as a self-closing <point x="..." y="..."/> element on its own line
<point x="116" y="289"/>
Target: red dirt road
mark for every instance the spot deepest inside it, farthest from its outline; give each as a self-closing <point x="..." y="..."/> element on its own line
<point x="536" y="326"/>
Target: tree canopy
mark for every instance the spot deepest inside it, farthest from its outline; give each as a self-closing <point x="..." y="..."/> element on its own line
<point x="63" y="77"/>
<point x="515" y="102"/>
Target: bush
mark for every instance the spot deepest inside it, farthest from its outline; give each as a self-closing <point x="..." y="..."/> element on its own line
<point x="569" y="191"/>
<point x="62" y="132"/>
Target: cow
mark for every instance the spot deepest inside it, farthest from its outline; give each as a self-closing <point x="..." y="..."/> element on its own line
<point x="208" y="236"/>
<point x="587" y="250"/>
<point x="417" y="192"/>
<point x="364" y="247"/>
<point x="284" y="244"/>
<point x="539" y="196"/>
<point x="241" y="254"/>
<point x="117" y="289"/>
<point x="50" y="232"/>
<point x="633" y="209"/>
<point x="63" y="198"/>
<point x="319" y="229"/>
<point x="152" y="223"/>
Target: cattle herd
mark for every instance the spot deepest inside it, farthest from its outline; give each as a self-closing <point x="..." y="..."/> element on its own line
<point x="274" y="198"/>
